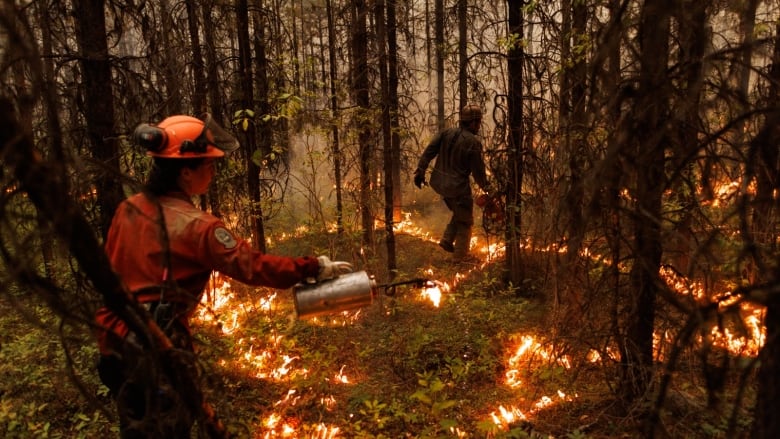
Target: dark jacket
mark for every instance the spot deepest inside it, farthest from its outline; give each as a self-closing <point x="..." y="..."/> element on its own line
<point x="458" y="154"/>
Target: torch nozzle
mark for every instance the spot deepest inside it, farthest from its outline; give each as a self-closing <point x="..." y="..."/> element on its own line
<point x="417" y="282"/>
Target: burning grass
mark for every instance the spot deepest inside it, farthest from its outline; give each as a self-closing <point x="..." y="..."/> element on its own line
<point x="458" y="358"/>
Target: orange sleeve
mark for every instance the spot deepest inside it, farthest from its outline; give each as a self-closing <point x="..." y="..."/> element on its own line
<point x="235" y="257"/>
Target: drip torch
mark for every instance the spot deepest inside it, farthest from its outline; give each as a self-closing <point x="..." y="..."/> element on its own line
<point x="346" y="292"/>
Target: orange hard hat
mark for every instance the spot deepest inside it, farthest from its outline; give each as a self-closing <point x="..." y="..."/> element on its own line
<point x="185" y="137"/>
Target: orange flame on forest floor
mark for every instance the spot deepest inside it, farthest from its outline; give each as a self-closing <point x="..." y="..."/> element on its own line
<point x="265" y="358"/>
<point x="748" y="343"/>
<point x="528" y="352"/>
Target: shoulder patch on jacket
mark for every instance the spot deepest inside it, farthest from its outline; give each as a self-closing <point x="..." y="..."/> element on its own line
<point x="224" y="237"/>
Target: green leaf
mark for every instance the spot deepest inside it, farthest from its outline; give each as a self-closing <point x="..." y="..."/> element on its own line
<point x="437" y="385"/>
<point x="257" y="158"/>
<point x="421" y="396"/>
<point x="442" y="405"/>
<point x="447" y="424"/>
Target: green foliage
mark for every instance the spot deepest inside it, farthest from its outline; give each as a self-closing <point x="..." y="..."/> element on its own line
<point x="32" y="370"/>
<point x="513" y="41"/>
<point x="242" y="119"/>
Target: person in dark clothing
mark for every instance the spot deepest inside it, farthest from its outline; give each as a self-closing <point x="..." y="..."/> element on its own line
<point x="458" y="154"/>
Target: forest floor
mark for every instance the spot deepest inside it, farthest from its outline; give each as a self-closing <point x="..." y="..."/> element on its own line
<point x="479" y="364"/>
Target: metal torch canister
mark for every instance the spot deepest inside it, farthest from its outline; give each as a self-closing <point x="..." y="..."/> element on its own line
<point x="346" y="292"/>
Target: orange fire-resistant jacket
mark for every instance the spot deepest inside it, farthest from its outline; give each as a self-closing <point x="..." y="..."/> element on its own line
<point x="198" y="243"/>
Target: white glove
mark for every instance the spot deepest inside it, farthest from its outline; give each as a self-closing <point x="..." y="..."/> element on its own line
<point x="332" y="269"/>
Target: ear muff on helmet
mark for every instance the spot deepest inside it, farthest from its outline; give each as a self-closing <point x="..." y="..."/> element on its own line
<point x="151" y="138"/>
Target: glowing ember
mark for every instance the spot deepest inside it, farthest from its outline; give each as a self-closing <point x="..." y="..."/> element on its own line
<point x="457" y="432"/>
<point x="322" y="431"/>
<point x="340" y="377"/>
<point x="329" y="402"/>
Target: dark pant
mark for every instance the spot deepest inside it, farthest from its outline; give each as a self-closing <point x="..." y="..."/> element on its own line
<point x="151" y="398"/>
<point x="462" y="210"/>
<point x="458" y="231"/>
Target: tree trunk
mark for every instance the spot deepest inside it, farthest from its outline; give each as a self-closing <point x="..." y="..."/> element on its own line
<point x="387" y="155"/>
<point x="649" y="119"/>
<point x="265" y="133"/>
<point x="199" y="76"/>
<point x="575" y="126"/>
<point x="514" y="266"/>
<point x="440" y="46"/>
<point x="360" y="86"/>
<point x="694" y="38"/>
<point x="392" y="84"/>
<point x="215" y="100"/>
<point x="99" y="104"/>
<point x="335" y="115"/>
<point x="171" y="64"/>
<point x="766" y="171"/>
<point x="463" y="71"/>
<point x="250" y="142"/>
<point x="766" y="423"/>
<point x="52" y="127"/>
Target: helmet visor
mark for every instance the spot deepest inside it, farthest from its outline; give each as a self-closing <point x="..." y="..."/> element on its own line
<point x="216" y="135"/>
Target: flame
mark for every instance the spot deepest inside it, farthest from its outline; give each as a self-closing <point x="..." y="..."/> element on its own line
<point x="525" y="352"/>
<point x="433" y="292"/>
<point x="505" y="416"/>
<point x="340" y="377"/>
<point x="329" y="402"/>
<point x="752" y="316"/>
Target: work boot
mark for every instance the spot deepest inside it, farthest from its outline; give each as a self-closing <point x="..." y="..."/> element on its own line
<point x="462" y="243"/>
<point x="447" y="238"/>
<point x="447" y="246"/>
<point x="468" y="261"/>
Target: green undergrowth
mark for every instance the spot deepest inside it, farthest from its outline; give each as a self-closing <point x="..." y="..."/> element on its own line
<point x="399" y="368"/>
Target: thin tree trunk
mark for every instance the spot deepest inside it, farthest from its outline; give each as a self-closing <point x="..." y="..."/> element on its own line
<point x="198" y="73"/>
<point x="335" y="115"/>
<point x="463" y="71"/>
<point x="439" y="44"/>
<point x="387" y="155"/>
<point x="766" y="171"/>
<point x="250" y="145"/>
<point x="392" y="84"/>
<point x="649" y="119"/>
<point x="52" y="126"/>
<point x="171" y="64"/>
<point x="265" y="133"/>
<point x="360" y="86"/>
<point x="215" y="100"/>
<point x="99" y="104"/>
<point x="514" y="266"/>
<point x="694" y="40"/>
<point x="199" y="76"/>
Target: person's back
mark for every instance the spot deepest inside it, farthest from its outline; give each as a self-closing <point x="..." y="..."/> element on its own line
<point x="458" y="154"/>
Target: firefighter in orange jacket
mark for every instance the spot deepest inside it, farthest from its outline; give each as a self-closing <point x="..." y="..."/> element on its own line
<point x="164" y="249"/>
